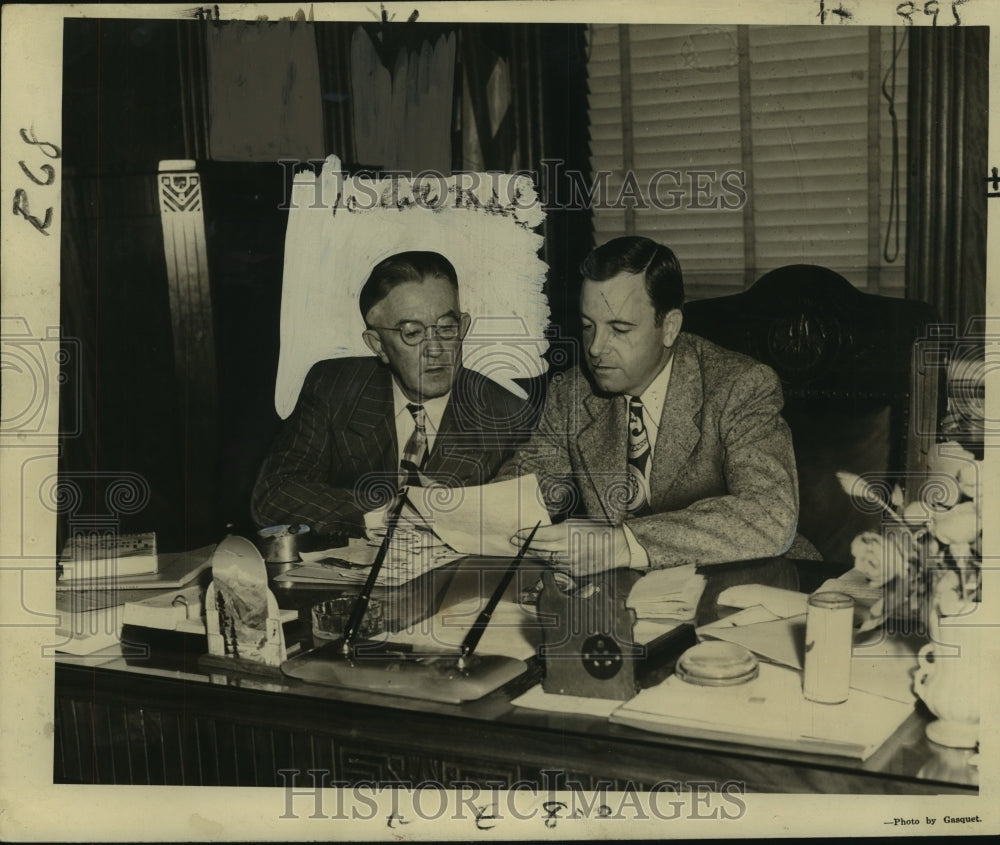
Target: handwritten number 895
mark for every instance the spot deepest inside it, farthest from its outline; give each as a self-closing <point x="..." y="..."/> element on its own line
<point x="932" y="8"/>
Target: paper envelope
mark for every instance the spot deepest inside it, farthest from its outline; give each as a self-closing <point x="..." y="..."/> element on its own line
<point x="777" y="640"/>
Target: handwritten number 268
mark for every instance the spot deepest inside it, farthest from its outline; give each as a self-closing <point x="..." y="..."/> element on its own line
<point x="21" y="204"/>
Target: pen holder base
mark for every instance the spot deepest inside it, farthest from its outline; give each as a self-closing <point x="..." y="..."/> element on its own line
<point x="215" y="663"/>
<point x="379" y="668"/>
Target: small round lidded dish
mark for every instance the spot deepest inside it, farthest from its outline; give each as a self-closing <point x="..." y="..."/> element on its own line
<point x="329" y="618"/>
<point x="717" y="664"/>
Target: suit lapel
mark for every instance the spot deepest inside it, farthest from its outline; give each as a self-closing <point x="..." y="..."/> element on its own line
<point x="370" y="433"/>
<point x="680" y="429"/>
<point x="603" y="451"/>
<point x="459" y="448"/>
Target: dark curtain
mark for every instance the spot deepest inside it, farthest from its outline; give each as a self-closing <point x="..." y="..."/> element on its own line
<point x="946" y="216"/>
<point x="333" y="44"/>
<point x="565" y="143"/>
<point x="192" y="90"/>
<point x="524" y="107"/>
<point x="500" y="96"/>
<point x="120" y="404"/>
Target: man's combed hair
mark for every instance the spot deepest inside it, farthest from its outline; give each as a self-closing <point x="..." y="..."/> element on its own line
<point x="664" y="282"/>
<point x="414" y="266"/>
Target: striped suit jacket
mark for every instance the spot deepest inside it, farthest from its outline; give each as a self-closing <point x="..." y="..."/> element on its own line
<point x="336" y="456"/>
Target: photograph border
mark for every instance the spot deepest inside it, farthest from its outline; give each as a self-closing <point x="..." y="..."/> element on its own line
<point x="33" y="808"/>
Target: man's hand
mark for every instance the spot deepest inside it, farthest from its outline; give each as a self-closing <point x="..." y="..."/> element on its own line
<point x="581" y="547"/>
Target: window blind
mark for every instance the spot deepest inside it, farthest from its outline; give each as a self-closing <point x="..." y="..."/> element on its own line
<point x="750" y="148"/>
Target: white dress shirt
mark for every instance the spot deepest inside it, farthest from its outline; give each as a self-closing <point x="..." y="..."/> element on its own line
<point x="405" y="425"/>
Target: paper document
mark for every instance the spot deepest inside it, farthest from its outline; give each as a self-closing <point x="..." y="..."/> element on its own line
<point x="175" y="570"/>
<point x="667" y="594"/>
<point x="513" y="631"/>
<point x="166" y="610"/>
<point x="780" y="602"/>
<point x="89" y="631"/>
<point x="646" y="630"/>
<point x="747" y="616"/>
<point x="97" y="558"/>
<point x="411" y="554"/>
<point x="537" y="699"/>
<point x="856" y="585"/>
<point x="482" y="520"/>
<point x="778" y="640"/>
<point x="769" y="711"/>
<point x="356" y="552"/>
<point x="884" y="666"/>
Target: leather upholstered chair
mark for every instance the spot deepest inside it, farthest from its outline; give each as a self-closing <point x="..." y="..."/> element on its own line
<point x="857" y="398"/>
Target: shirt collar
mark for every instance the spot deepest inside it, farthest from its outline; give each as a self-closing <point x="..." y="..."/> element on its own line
<point x="655" y="395"/>
<point x="433" y="408"/>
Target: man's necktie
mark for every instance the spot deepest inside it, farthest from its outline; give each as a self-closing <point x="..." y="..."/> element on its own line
<point x="415" y="451"/>
<point x="638" y="458"/>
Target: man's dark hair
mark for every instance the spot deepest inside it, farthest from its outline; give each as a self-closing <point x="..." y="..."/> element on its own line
<point x="413" y="266"/>
<point x="664" y="282"/>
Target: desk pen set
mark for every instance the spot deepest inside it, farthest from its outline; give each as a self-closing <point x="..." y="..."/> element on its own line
<point x="384" y="667"/>
<point x="588" y="646"/>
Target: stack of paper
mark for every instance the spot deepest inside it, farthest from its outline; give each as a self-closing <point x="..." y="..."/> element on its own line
<point x="769" y="711"/>
<point x="410" y="555"/>
<point x="108" y="557"/>
<point x="89" y="622"/>
<point x="667" y="594"/>
<point x="175" y="570"/>
<point x="91" y="612"/>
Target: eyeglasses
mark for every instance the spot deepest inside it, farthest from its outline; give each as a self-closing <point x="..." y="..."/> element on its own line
<point x="413" y="332"/>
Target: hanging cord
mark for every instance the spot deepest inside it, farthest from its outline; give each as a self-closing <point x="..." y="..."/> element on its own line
<point x="892" y="226"/>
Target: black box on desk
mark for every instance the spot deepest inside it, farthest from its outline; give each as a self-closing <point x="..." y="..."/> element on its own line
<point x="162" y="649"/>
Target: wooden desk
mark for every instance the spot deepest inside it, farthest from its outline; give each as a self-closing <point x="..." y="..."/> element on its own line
<point x="163" y="722"/>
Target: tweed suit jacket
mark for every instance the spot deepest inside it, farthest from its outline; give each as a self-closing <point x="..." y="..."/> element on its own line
<point x="723" y="484"/>
<point x="336" y="456"/>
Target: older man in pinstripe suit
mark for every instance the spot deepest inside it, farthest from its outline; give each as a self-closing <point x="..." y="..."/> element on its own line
<point x="410" y="413"/>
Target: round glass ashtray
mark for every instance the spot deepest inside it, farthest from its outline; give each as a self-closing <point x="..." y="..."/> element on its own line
<point x="329" y="618"/>
<point x="717" y="664"/>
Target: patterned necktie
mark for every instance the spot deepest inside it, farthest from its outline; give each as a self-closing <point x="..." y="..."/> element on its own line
<point x="638" y="459"/>
<point x="415" y="451"/>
